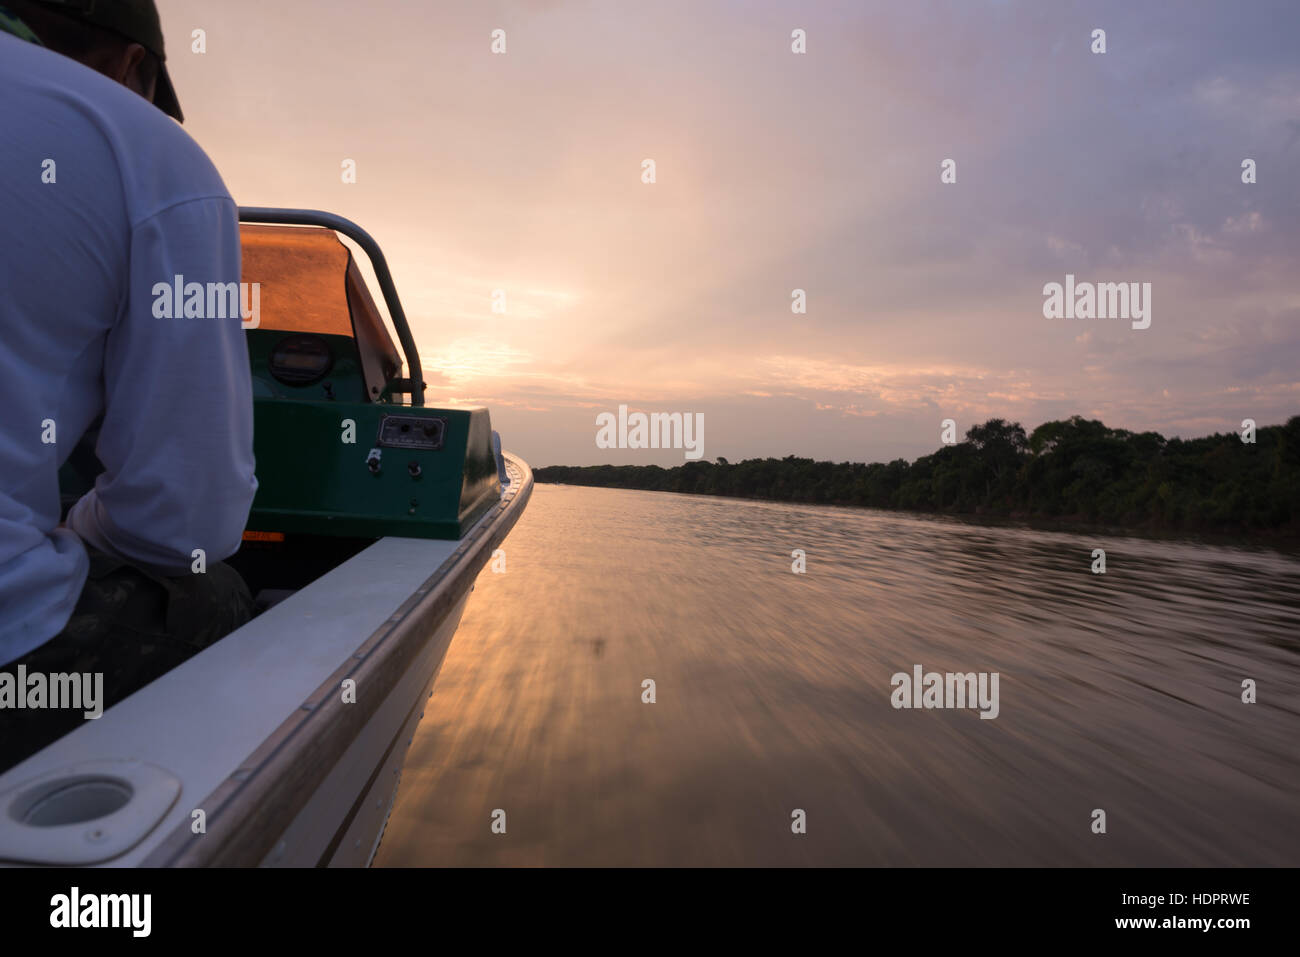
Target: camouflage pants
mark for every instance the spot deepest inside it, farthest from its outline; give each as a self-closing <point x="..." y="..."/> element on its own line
<point x="132" y="626"/>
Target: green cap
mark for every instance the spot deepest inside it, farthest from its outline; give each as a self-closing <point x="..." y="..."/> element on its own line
<point x="134" y="20"/>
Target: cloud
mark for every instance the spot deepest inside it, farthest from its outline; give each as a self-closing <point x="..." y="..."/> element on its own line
<point x="775" y="172"/>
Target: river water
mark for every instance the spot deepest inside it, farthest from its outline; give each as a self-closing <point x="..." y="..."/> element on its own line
<point x="1119" y="692"/>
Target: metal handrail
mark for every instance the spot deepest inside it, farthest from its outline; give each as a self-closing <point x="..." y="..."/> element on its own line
<point x="414" y="384"/>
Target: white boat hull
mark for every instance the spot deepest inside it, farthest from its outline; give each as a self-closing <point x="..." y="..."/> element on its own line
<point x="281" y="744"/>
<point x="342" y="824"/>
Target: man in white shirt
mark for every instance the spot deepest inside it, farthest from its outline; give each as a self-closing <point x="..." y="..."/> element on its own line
<point x="102" y="197"/>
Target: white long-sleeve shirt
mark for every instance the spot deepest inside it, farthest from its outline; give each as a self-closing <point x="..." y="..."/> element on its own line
<point x="102" y="197"/>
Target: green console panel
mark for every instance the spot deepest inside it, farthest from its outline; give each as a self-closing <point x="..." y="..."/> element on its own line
<point x="330" y="463"/>
<point x="310" y="480"/>
<point x="370" y="470"/>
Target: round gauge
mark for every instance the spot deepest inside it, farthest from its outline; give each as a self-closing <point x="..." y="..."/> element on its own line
<point x="301" y="359"/>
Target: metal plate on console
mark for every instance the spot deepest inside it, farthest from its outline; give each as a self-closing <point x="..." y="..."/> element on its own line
<point x="411" y="432"/>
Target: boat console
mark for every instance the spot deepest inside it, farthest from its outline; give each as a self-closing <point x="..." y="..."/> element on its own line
<point x="346" y="450"/>
<point x="344" y="446"/>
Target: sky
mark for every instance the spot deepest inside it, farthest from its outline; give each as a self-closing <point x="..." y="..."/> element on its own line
<point x="774" y="171"/>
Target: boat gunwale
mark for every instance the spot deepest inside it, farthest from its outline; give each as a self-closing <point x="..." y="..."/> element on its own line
<point x="252" y="806"/>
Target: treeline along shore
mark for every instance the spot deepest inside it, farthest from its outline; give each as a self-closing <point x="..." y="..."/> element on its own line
<point x="1076" y="470"/>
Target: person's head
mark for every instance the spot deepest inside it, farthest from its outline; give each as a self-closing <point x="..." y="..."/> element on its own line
<point x="121" y="39"/>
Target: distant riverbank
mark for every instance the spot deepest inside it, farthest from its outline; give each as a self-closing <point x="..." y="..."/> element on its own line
<point x="1069" y="473"/>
